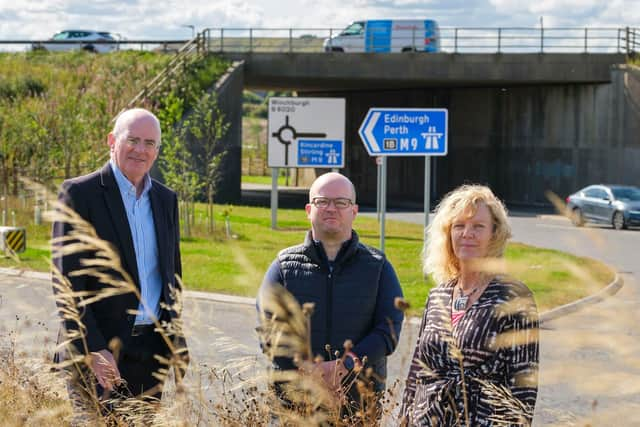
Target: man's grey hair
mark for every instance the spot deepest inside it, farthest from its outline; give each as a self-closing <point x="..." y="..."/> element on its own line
<point x="125" y="117"/>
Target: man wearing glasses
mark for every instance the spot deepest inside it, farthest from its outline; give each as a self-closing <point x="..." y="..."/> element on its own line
<point x="353" y="287"/>
<point x="139" y="217"/>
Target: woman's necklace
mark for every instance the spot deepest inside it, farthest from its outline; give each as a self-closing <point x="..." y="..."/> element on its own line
<point x="460" y="303"/>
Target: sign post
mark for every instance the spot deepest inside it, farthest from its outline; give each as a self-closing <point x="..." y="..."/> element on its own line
<point x="304" y="133"/>
<point x="383" y="200"/>
<point x="405" y="132"/>
<point x="427" y="190"/>
<point x="378" y="184"/>
<point x="275" y="172"/>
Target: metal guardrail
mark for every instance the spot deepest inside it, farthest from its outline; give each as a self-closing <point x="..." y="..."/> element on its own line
<point x="452" y="40"/>
<point x="161" y="44"/>
<point x="541" y="40"/>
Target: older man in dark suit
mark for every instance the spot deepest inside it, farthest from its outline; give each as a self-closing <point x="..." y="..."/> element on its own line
<point x="139" y="217"/>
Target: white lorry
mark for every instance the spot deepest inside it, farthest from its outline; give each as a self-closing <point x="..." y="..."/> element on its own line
<point x="386" y="35"/>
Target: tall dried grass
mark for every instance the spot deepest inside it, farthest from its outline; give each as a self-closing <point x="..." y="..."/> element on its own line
<point x="237" y="392"/>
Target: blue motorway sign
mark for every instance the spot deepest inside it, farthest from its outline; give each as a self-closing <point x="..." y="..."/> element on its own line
<point x="405" y="131"/>
<point x="320" y="153"/>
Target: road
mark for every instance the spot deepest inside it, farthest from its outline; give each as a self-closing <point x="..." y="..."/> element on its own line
<point x="590" y="371"/>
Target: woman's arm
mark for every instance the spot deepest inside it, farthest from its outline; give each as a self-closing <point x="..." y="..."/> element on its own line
<point x="410" y="383"/>
<point x="521" y="351"/>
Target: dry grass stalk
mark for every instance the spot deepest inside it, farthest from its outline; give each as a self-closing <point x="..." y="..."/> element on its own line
<point x="102" y="262"/>
<point x="285" y="332"/>
<point x="28" y="396"/>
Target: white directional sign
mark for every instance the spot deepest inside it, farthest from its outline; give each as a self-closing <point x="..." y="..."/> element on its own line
<point x="306" y="132"/>
<point x="405" y="131"/>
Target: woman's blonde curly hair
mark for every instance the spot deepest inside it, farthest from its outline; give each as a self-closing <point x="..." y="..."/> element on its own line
<point x="439" y="260"/>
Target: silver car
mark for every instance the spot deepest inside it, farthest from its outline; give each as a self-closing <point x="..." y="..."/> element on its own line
<point x="618" y="205"/>
<point x="89" y="40"/>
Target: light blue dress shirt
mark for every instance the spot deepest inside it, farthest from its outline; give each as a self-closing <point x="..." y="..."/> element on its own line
<point x="145" y="244"/>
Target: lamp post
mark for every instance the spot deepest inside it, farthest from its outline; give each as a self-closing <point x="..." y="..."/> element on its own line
<point x="193" y="29"/>
<point x="118" y="38"/>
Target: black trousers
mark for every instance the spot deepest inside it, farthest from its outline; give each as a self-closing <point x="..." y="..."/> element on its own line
<point x="136" y="363"/>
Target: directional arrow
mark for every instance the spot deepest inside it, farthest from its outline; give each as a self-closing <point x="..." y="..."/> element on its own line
<point x="368" y="132"/>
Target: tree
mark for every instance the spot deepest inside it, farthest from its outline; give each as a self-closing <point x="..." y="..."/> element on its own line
<point x="206" y="128"/>
<point x="177" y="168"/>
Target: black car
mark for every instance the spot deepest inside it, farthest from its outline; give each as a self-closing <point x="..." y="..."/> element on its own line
<point x="618" y="205"/>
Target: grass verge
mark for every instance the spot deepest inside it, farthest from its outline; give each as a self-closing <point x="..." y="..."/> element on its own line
<point x="265" y="180"/>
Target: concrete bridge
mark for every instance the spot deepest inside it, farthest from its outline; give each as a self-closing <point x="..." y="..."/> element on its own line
<point x="375" y="71"/>
<point x="523" y="123"/>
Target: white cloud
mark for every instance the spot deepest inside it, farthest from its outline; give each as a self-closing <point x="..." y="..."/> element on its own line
<point x="135" y="19"/>
<point x="165" y="19"/>
<point x="577" y="13"/>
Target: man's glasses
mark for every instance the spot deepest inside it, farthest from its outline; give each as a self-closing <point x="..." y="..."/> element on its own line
<point x="148" y="144"/>
<point x="324" y="202"/>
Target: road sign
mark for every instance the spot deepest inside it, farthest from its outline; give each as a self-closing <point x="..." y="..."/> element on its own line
<point x="405" y="131"/>
<point x="306" y="132"/>
<point x="315" y="153"/>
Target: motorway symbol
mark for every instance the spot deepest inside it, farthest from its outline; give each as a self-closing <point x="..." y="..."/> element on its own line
<point x="287" y="133"/>
<point x="405" y="132"/>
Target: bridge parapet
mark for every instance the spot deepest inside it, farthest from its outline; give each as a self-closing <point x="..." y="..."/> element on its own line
<point x="337" y="71"/>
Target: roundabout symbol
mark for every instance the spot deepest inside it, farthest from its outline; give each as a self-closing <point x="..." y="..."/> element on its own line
<point x="286" y="134"/>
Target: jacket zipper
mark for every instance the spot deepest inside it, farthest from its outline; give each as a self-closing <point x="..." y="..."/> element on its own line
<point x="329" y="308"/>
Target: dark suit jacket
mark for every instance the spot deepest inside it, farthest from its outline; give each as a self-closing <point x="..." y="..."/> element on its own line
<point x="96" y="198"/>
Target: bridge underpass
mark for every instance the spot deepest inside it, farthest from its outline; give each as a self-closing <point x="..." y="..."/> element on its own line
<point x="522" y="123"/>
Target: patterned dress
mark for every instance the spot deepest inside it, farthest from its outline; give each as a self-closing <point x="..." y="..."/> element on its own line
<point x="484" y="370"/>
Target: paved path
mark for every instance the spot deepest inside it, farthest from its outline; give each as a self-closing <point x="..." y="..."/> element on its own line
<point x="590" y="368"/>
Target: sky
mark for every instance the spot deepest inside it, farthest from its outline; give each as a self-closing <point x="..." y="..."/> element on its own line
<point x="153" y="19"/>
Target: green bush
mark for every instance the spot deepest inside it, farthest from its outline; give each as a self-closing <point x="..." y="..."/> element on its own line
<point x="57" y="108"/>
<point x="21" y="87"/>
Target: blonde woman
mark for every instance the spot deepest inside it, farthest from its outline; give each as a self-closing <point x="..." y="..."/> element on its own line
<point x="476" y="358"/>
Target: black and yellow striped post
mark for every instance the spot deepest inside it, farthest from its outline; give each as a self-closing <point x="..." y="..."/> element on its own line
<point x="13" y="239"/>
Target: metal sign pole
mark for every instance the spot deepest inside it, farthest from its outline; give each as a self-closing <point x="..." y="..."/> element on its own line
<point x="427" y="190"/>
<point x="383" y="201"/>
<point x="378" y="186"/>
<point x="274" y="198"/>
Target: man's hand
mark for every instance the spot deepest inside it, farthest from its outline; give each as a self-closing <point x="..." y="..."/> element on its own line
<point x="105" y="369"/>
<point x="333" y="372"/>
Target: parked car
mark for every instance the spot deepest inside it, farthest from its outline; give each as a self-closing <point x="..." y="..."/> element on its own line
<point x="618" y="205"/>
<point x="91" y="41"/>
